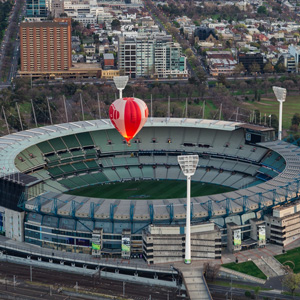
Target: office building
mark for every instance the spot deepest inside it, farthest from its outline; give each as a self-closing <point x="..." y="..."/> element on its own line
<point x="45" y="46"/>
<point x="251" y="58"/>
<point x="36" y="8"/>
<point x="283" y="226"/>
<point x="57" y="8"/>
<point x="154" y="55"/>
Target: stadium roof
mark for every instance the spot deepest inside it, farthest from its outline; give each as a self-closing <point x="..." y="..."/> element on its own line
<point x="11" y="145"/>
<point x="281" y="188"/>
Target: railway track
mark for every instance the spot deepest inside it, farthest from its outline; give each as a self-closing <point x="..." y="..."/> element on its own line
<point x="43" y="278"/>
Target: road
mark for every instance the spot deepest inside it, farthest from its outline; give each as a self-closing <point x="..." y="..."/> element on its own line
<point x="221" y="292"/>
<point x="17" y="8"/>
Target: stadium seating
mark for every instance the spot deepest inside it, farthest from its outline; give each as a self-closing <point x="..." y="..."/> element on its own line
<point x="160" y="172"/>
<point x="135" y="172"/>
<point x="123" y="173"/>
<point x="173" y="172"/>
<point x="45" y="147"/>
<point x="148" y="172"/>
<point x="111" y="175"/>
<point x="85" y="139"/>
<point x="57" y="144"/>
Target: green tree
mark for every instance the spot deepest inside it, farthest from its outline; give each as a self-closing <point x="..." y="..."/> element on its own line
<point x="296" y="119"/>
<point x="201" y="76"/>
<point x="291" y="281"/>
<point x="256" y="291"/>
<point x="280" y="68"/>
<point x="262" y="10"/>
<point x="222" y="79"/>
<point x="115" y="24"/>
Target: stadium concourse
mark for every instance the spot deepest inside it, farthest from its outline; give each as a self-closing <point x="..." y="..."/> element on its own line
<point x="40" y="165"/>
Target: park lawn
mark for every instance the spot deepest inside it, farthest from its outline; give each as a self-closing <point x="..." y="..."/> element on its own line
<point x="270" y="106"/>
<point x="149" y="189"/>
<point x="291" y="255"/>
<point x="247" y="267"/>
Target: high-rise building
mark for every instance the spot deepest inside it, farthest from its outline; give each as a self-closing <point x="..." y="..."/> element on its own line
<point x="153" y="55"/>
<point x="36" y="8"/>
<point x="46" y="46"/>
<point x="57" y="8"/>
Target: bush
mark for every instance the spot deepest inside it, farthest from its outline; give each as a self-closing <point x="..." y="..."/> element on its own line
<point x="248" y="294"/>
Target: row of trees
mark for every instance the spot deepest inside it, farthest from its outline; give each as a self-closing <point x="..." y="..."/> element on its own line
<point x="212" y="103"/>
<point x="5" y="9"/>
<point x="9" y="48"/>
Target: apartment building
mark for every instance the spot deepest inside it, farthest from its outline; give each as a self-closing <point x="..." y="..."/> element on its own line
<point x="46" y="46"/>
<point x="154" y="55"/>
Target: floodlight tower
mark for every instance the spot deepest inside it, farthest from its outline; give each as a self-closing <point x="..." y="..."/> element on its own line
<point x="188" y="165"/>
<point x="120" y="82"/>
<point x="280" y="94"/>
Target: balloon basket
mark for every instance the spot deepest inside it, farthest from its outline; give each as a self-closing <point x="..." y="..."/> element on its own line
<point x="128" y="144"/>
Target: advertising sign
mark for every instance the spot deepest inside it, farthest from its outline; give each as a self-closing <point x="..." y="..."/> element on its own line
<point x="237" y="237"/>
<point x="96" y="246"/>
<point x="262" y="233"/>
<point x="126" y="245"/>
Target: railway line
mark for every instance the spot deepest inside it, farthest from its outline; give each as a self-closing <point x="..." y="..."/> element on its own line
<point x="42" y="279"/>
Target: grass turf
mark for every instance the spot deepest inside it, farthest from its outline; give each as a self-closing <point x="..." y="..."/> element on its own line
<point x="247" y="267"/>
<point x="291" y="255"/>
<point x="150" y="189"/>
<point x="271" y="106"/>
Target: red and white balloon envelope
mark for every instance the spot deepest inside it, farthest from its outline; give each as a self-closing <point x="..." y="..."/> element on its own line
<point x="128" y="115"/>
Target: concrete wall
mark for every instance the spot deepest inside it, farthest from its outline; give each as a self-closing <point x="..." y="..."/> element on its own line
<point x="14" y="225"/>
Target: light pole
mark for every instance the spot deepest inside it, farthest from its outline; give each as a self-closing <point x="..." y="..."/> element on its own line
<point x="120" y="82"/>
<point x="280" y="94"/>
<point x="188" y="165"/>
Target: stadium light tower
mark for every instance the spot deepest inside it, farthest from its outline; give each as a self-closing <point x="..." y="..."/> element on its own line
<point x="120" y="82"/>
<point x="188" y="165"/>
<point x="280" y="94"/>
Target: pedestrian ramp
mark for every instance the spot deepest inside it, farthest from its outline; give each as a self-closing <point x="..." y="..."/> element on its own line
<point x="195" y="284"/>
<point x="270" y="266"/>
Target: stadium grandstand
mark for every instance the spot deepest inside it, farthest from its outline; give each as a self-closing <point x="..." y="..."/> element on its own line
<point x="42" y="165"/>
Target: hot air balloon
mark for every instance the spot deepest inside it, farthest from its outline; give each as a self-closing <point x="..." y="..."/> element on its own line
<point x="128" y="115"/>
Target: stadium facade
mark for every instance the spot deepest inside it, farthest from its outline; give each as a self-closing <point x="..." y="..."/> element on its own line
<point x="39" y="165"/>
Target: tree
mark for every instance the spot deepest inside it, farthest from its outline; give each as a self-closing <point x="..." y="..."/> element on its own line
<point x="273" y="41"/>
<point x="291" y="281"/>
<point x="296" y="119"/>
<point x="188" y="53"/>
<point x="280" y="68"/>
<point x="239" y="69"/>
<point x="201" y="76"/>
<point x="274" y="122"/>
<point x="262" y="10"/>
<point x="210" y="271"/>
<point x="268" y="68"/>
<point x="256" y="291"/>
<point x="255" y="68"/>
<point x="222" y="79"/>
<point x="115" y="24"/>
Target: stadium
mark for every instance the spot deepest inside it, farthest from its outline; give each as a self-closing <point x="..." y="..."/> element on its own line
<point x="43" y="168"/>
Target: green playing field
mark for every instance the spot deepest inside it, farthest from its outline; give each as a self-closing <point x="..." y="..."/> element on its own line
<point x="149" y="189"/>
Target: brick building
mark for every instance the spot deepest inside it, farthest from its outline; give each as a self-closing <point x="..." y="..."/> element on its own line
<point x="46" y="46"/>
